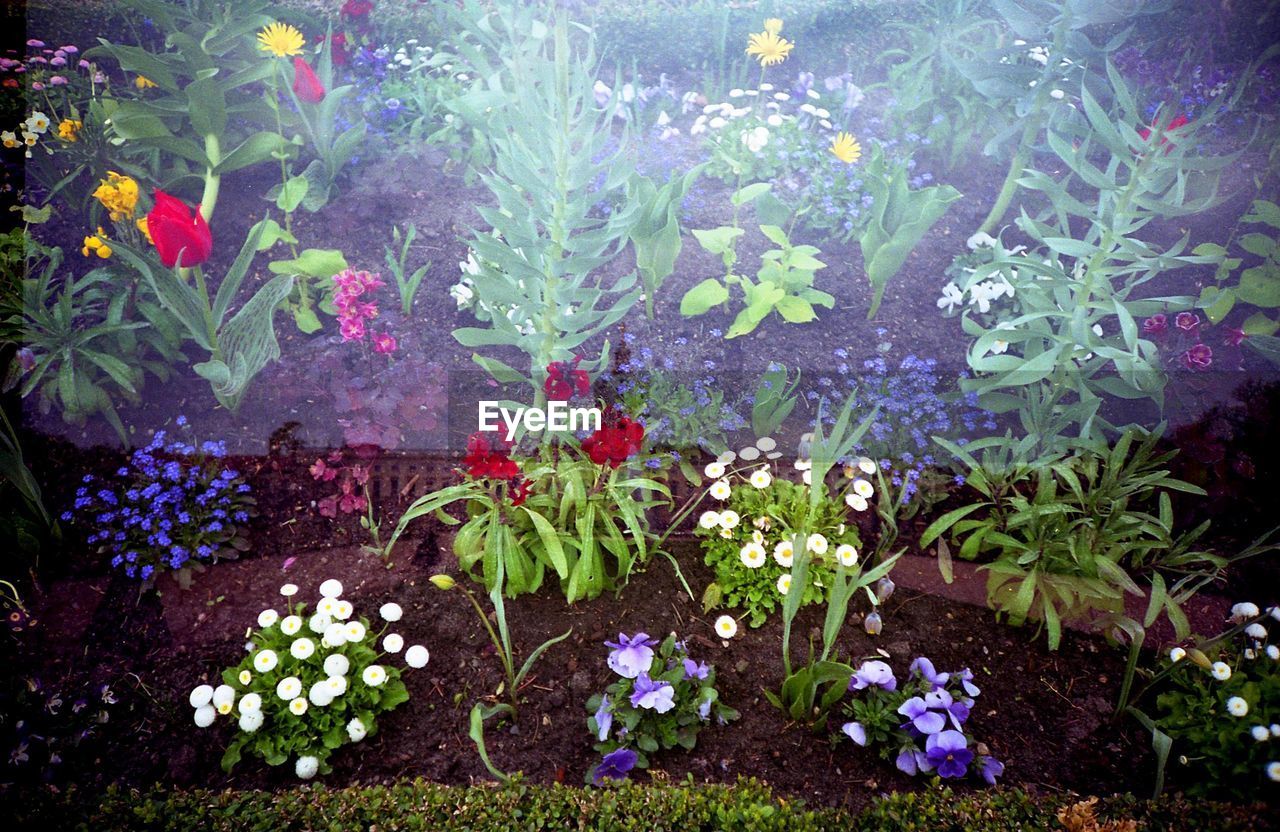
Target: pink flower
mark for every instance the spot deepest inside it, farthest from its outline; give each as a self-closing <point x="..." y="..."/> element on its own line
<point x="58" y="81"/>
<point x="1157" y="324"/>
<point x="37" y="86"/>
<point x="384" y="343"/>
<point x="323" y="472"/>
<point x="352" y="329"/>
<point x="1233" y="337"/>
<point x="1187" y="321"/>
<point x="57" y="60"/>
<point x="328" y="507"/>
<point x="1198" y="358"/>
<point x="35" y="44"/>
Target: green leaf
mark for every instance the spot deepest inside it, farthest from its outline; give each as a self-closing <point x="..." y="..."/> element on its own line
<point x="292" y="193"/>
<point x="703" y="297"/>
<point x="748" y="193"/>
<point x="795" y="310"/>
<point x="207" y="105"/>
<point x="320" y="263"/>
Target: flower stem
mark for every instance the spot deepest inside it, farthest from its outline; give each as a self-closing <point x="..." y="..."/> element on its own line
<point x="213" y="150"/>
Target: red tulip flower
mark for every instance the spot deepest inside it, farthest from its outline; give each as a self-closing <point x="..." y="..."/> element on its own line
<point x="564" y="379"/>
<point x="178" y="231"/>
<point x="614" y="442"/>
<point x="305" y="83"/>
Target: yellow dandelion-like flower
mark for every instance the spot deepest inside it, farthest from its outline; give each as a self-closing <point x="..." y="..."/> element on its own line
<point x="281" y="40"/>
<point x="143" y="83"/>
<point x="768" y="48"/>
<point x="69" y="129"/>
<point x="846" y="148"/>
<point x="773" y="25"/>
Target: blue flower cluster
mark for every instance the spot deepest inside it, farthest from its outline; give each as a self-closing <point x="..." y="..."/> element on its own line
<point x="174" y="502"/>
<point x="913" y="408"/>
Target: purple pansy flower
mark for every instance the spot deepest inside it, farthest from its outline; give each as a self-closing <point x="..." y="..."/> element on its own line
<point x="856" y="731"/>
<point x="947" y="752"/>
<point x="922" y="719"/>
<point x="615" y="765"/>
<point x="873" y="674"/>
<point x="966" y="681"/>
<point x="923" y="668"/>
<point x="695" y="670"/>
<point x="704" y="710"/>
<point x="654" y="696"/>
<point x="604" y="719"/>
<point x="632" y="655"/>
<point x="911" y="761"/>
<point x="990" y="768"/>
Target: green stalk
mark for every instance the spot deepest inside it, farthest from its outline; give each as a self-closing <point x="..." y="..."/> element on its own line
<point x="1010" y="185"/>
<point x="503" y="653"/>
<point x="213" y="150"/>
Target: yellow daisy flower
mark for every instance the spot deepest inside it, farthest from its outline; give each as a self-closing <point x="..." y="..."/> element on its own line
<point x="143" y="83"/>
<point x="768" y="48"/>
<point x="773" y="25"/>
<point x="69" y="129"/>
<point x="846" y="148"/>
<point x="281" y="40"/>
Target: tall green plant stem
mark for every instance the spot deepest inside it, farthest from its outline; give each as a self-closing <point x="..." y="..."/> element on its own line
<point x="1010" y="186"/>
<point x="504" y="654"/>
<point x="213" y="150"/>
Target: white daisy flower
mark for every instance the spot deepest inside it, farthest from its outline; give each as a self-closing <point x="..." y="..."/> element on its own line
<point x="251" y="721"/>
<point x="268" y="617"/>
<point x="354" y="632"/>
<point x="356" y="730"/>
<point x="1243" y="610"/>
<point x="337" y="685"/>
<point x="416" y="656"/>
<point x="250" y="702"/>
<point x="784" y="583"/>
<point x="709" y="520"/>
<point x="224" y="699"/>
<point x="290" y="625"/>
<point x="761" y="479"/>
<point x="205" y="715"/>
<point x="720" y="490"/>
<point x="855" y="502"/>
<point x="752" y="555"/>
<point x="729" y="519"/>
<point x="807" y="477"/>
<point x="320" y="694"/>
<point x="393" y="643"/>
<point x="866" y="465"/>
<point x="1260" y="733"/>
<point x="1236" y="706"/>
<point x="331" y="588"/>
<point x="318" y="623"/>
<point x="336" y="664"/>
<point x="201" y="695"/>
<point x="289" y="590"/>
<point x="1273" y="771"/>
<point x="726" y="626"/>
<point x="289" y="687"/>
<point x="373" y="675"/>
<point x="1256" y="630"/>
<point x="817" y="544"/>
<point x="1177" y="654"/>
<point x="326" y="606"/>
<point x="265" y="661"/>
<point x="803" y="464"/>
<point x="757" y="536"/>
<point x="864" y="489"/>
<point x="306" y="767"/>
<point x="335" y="635"/>
<point x="714" y="470"/>
<point x="391" y="612"/>
<point x="1221" y="671"/>
<point x="245" y="677"/>
<point x="784" y="553"/>
<point x="1273" y="652"/>
<point x="847" y="555"/>
<point x="342" y="610"/>
<point x="302" y="648"/>
<point x="298" y="706"/>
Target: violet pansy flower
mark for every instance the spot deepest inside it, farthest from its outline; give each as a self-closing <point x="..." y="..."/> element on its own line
<point x="695" y="670"/>
<point x="912" y="761"/>
<point x="966" y="681"/>
<point x="604" y="719"/>
<point x="923" y="668"/>
<point x="990" y="768"/>
<point x="921" y="718"/>
<point x="855" y="731"/>
<point x="947" y="752"/>
<point x="651" y="695"/>
<point x="615" y="765"/>
<point x="632" y="655"/>
<point x="873" y="674"/>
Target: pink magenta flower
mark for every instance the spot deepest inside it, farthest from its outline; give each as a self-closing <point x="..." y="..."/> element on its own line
<point x="1199" y="358"/>
<point x="1234" y="337"/>
<point x="384" y="343"/>
<point x="58" y="81"/>
<point x="1187" y="321"/>
<point x="1157" y="324"/>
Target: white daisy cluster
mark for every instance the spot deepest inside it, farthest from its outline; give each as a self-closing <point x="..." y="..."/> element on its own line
<point x="323" y="665"/>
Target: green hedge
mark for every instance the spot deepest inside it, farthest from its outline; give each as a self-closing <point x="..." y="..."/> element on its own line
<point x="682" y="807"/>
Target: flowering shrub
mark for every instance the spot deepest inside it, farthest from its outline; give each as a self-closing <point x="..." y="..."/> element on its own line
<point x="661" y="700"/>
<point x="920" y="723"/>
<point x="174" y="506"/>
<point x="350" y="291"/>
<point x="1222" y="709"/>
<point x="747" y="540"/>
<point x="313" y="681"/>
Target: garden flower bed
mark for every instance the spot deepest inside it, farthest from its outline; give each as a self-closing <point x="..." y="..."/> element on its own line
<point x="413" y="396"/>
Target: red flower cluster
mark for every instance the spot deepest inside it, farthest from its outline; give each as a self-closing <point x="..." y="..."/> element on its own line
<point x="178" y="231"/>
<point x="564" y="379"/>
<point x="306" y="85"/>
<point x="1179" y="121"/>
<point x="616" y="440"/>
<point x="356" y="8"/>
<point x="489" y="455"/>
<point x="338" y="51"/>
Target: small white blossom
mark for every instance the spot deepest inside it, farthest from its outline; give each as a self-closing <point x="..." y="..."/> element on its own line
<point x="391" y="612"/>
<point x="1221" y="671"/>
<point x="289" y="590"/>
<point x="251" y="721"/>
<point x="1177" y="654"/>
<point x="393" y="643"/>
<point x="1256" y="630"/>
<point x="1273" y="771"/>
<point x="951" y="298"/>
<point x="268" y="617"/>
<point x="318" y="623"/>
<point x="761" y="479"/>
<point x="416" y="656"/>
<point x="720" y="490"/>
<point x="224" y="699"/>
<point x="298" y="706"/>
<point x="306" y="767"/>
<point x="752" y="556"/>
<point x="714" y="470"/>
<point x="863" y="489"/>
<point x="205" y="715"/>
<point x="1237" y="706"/>
<point x="729" y="519"/>
<point x="784" y="583"/>
<point x="373" y="675"/>
<point x="302" y="648"/>
<point x="726" y="626"/>
<point x="709" y="520"/>
<point x="784" y="554"/>
<point x="290" y="625"/>
<point x="320" y="694"/>
<point x="354" y="632"/>
<point x="250" y="702"/>
<point x="331" y="588"/>
<point x="342" y="610"/>
<point x="265" y="661"/>
<point x="1260" y="733"/>
<point x="356" y="730"/>
<point x="855" y="502"/>
<point x="1243" y="610"/>
<point x="201" y="695"/>
<point x="847" y="555"/>
<point x="1273" y="652"/>
<point x="289" y="687"/>
<point x="817" y="544"/>
<point x="336" y="664"/>
<point x="335" y="635"/>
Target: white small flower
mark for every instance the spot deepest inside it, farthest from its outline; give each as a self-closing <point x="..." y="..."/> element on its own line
<point x="336" y="664"/>
<point x="729" y="519"/>
<point x="814" y="94"/>
<point x="337" y="685"/>
<point x="250" y="702"/>
<point x="1236" y="706"/>
<point x="847" y="555"/>
<point x="863" y="489"/>
<point x="1274" y="612"/>
<point x="1221" y="671"/>
<point x="761" y="478"/>
<point x="205" y="715"/>
<point x="320" y="694"/>
<point x="951" y="298"/>
<point x="709" y="520"/>
<point x="289" y="687"/>
<point x="298" y="706"/>
<point x="373" y="675"/>
<point x="855" y="502"/>
<point x="289" y="590"/>
<point x="817" y="544"/>
<point x="306" y="767"/>
<point x="326" y="606"/>
<point x="981" y="240"/>
<point x="782" y="96"/>
<point x="245" y="677"/>
<point x="1250" y="653"/>
<point x="393" y="643"/>
<point x="391" y="612"/>
<point x="720" y="489"/>
<point x="1057" y="95"/>
<point x="335" y="635"/>
<point x="265" y="661"/>
<point x="1273" y="771"/>
<point x="1260" y="733"/>
<point x="716" y="123"/>
<point x="302" y="648"/>
<point x="1273" y="652"/>
<point x="784" y="554"/>
<point x="726" y="626"/>
<point x="1256" y="630"/>
<point x="1177" y="654"/>
<point x="318" y="623"/>
<point x="756" y="139"/>
<point x="735" y="93"/>
<point x="290" y="625"/>
<point x="354" y="632"/>
<point x="250" y="721"/>
<point x="1275" y="729"/>
<point x="331" y="588"/>
<point x="714" y="471"/>
<point x="356" y="730"/>
<point x="784" y="583"/>
<point x="268" y="617"/>
<point x="774" y="120"/>
<point x="1244" y="610"/>
<point x="416" y="656"/>
<point x="867" y="466"/>
<point x="807" y="477"/>
<point x="224" y="699"/>
<point x="752" y="556"/>
<point x="201" y="695"/>
<point x="342" y="610"/>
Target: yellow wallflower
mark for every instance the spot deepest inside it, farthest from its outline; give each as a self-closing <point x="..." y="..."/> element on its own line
<point x="768" y="48"/>
<point x="846" y="148"/>
<point x="146" y="232"/>
<point x="97" y="244"/>
<point x="69" y="129"/>
<point x="281" y="40"/>
<point x="773" y="25"/>
<point x="118" y="194"/>
<point x="143" y="83"/>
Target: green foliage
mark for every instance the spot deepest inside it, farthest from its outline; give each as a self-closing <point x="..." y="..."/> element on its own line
<point x="900" y="217"/>
<point x="1258" y="285"/>
<point x="27" y="526"/>
<point x="644" y="730"/>
<point x="774" y="399"/>
<point x="759" y="526"/>
<point x="784" y="282"/>
<point x="1072" y="535"/>
<point x="239" y="346"/>
<point x="312" y="271"/>
<point x="397" y="264"/>
<point x="656" y="233"/>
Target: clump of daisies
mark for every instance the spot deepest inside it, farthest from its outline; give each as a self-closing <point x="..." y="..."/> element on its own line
<point x="315" y="678"/>
<point x="661" y="699"/>
<point x="748" y="531"/>
<point x="1220" y="703"/>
